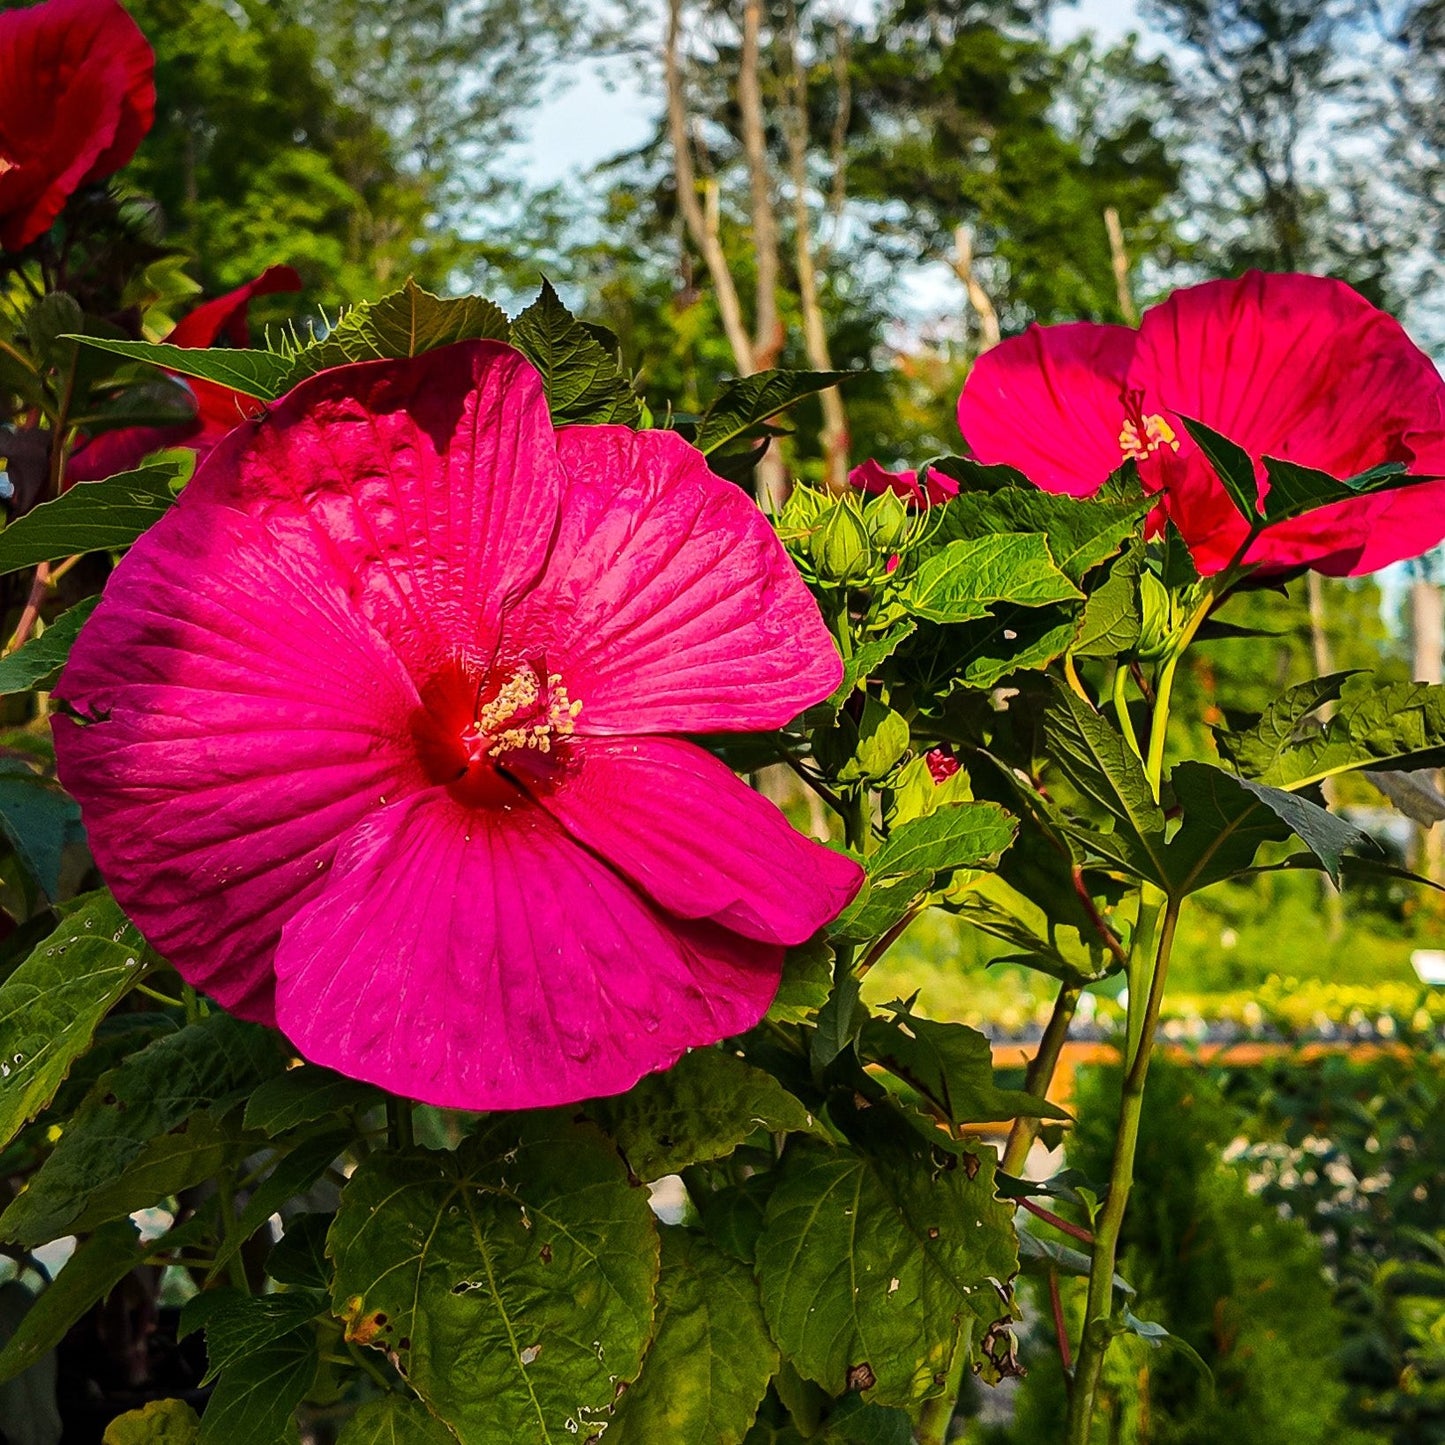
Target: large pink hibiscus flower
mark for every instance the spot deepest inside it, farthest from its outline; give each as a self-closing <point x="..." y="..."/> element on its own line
<point x="382" y="737"/>
<point x="77" y="96"/>
<point x="1299" y="368"/>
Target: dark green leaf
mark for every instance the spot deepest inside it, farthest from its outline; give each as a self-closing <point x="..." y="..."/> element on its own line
<point x="406" y="323"/>
<point x="983" y="653"/>
<point x="299" y="1256"/>
<point x="965" y="835"/>
<point x="262" y="374"/>
<point x="38" y="819"/>
<point x="1232" y="465"/>
<point x="255" y="1399"/>
<point x="701" y="1108"/>
<point x="393" y="1420"/>
<point x="582" y="380"/>
<point x="965" y="579"/>
<point x="747" y="402"/>
<point x="869" y="657"/>
<point x="975" y="476"/>
<point x="732" y="1217"/>
<point x="38" y="662"/>
<point x="949" y="1063"/>
<point x="710" y="1359"/>
<point x="215" y="1063"/>
<point x="1255" y="750"/>
<point x="51" y="1004"/>
<point x="856" y="1421"/>
<point x="878" y="906"/>
<point x="875" y="1262"/>
<point x="513" y="1279"/>
<point x="1295" y="490"/>
<point x="807" y="978"/>
<point x="90" y="517"/>
<point x="238" y="1324"/>
<point x="304" y="1095"/>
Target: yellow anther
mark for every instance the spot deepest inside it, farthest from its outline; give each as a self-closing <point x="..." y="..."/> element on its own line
<point x="1157" y="433"/>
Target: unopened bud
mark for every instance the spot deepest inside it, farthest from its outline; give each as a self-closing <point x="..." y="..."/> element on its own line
<point x="840" y="546"/>
<point x="887" y="519"/>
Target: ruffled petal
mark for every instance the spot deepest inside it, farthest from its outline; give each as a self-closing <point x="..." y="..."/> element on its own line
<point x="244" y="717"/>
<point x="432" y="483"/>
<point x="668" y="604"/>
<point x="224" y="318"/>
<point x="1049" y="402"/>
<point x="695" y="839"/>
<point x="483" y="960"/>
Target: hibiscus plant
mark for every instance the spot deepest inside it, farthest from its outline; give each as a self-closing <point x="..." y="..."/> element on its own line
<point x="397" y="975"/>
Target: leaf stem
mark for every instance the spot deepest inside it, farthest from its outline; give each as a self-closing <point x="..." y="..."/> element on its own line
<point x="398" y="1123"/>
<point x="1064" y="1226"/>
<point x="1061" y="1329"/>
<point x="1097" y="1331"/>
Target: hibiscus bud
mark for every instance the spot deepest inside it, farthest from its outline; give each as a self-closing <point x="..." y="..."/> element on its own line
<point x="887" y="519"/>
<point x="840" y="546"/>
<point x="1155" y="630"/>
<point x="942" y="764"/>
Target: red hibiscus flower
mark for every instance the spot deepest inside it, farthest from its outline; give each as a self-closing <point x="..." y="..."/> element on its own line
<point x="377" y="735"/>
<point x="874" y="479"/>
<point x="1298" y="368"/>
<point x="218" y="408"/>
<point x="77" y="95"/>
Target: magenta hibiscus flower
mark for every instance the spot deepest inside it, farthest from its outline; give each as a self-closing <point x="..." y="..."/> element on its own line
<point x="1299" y="368"/>
<point x="874" y="479"/>
<point x="77" y="96"/>
<point x="382" y="739"/>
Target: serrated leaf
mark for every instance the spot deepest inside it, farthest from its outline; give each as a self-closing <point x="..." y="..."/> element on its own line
<point x="1113" y="615"/>
<point x="702" y="1108"/>
<point x="1232" y="465"/>
<point x="807" y="978"/>
<point x="583" y="382"/>
<point x="211" y="1064"/>
<point x="965" y="835"/>
<point x="90" y="517"/>
<point x="748" y="401"/>
<point x="254" y="1401"/>
<point x="238" y="1324"/>
<point x="1255" y="749"/>
<point x="513" y="1279"/>
<point x="1295" y="490"/>
<point x="38" y="662"/>
<point x="1226" y="818"/>
<point x="50" y="1005"/>
<point x="159" y="1422"/>
<point x="1082" y="532"/>
<point x="394" y="1420"/>
<point x="732" y="1217"/>
<point x="405" y="323"/>
<point x="878" y="906"/>
<point x="875" y="1262"/>
<point x="1018" y="640"/>
<point x="869" y="657"/>
<point x="949" y="1063"/>
<point x="965" y="579"/>
<point x="304" y="1095"/>
<point x="710" y="1359"/>
<point x="257" y="373"/>
<point x="1094" y="757"/>
<point x="839" y="1020"/>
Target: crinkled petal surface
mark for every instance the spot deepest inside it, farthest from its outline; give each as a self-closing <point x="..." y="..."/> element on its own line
<point x="246" y="716"/>
<point x="483" y="959"/>
<point x="682" y="827"/>
<point x="668" y="603"/>
<point x="1049" y="402"/>
<point x="77" y="95"/>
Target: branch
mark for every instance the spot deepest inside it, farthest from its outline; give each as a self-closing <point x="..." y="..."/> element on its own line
<point x="768" y="327"/>
<point x="978" y="298"/>
<point x="838" y="142"/>
<point x="1119" y="258"/>
<point x="704" y="235"/>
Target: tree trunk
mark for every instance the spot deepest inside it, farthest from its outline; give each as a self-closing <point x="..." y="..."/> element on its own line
<point x="978" y="298"/>
<point x="1427" y="617"/>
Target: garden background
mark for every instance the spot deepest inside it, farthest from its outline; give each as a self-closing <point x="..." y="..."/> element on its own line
<point x="891" y="188"/>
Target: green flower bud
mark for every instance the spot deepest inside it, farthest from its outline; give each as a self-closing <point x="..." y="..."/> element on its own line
<point x="1156" y="629"/>
<point x="887" y="519"/>
<point x="840" y="546"/>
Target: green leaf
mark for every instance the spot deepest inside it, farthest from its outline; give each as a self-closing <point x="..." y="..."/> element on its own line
<point x="882" y="740"/>
<point x="299" y="1256"/>
<point x="51" y="1004"/>
<point x="1374" y="725"/>
<point x="983" y="653"/>
<point x="875" y="1262"/>
<point x="38" y="662"/>
<point x="869" y="657"/>
<point x="1099" y="763"/>
<point x="854" y="1421"/>
<point x="262" y="374"/>
<point x="306" y="1095"/>
<point x="1295" y="490"/>
<point x="1113" y="615"/>
<point x="238" y="1324"/>
<point x="745" y="403"/>
<point x="733" y="1216"/>
<point x="949" y="1063"/>
<point x="1255" y="750"/>
<point x="965" y="835"/>
<point x="1226" y="818"/>
<point x="255" y="1399"/>
<point x="406" y="323"/>
<point x="39" y="818"/>
<point x="583" y="382"/>
<point x="513" y="1279"/>
<point x="878" y="906"/>
<point x="839" y="1020"/>
<point x="702" y="1108"/>
<point x="393" y="1420"/>
<point x="160" y="1422"/>
<point x="1081" y="532"/>
<point x="807" y="979"/>
<point x="215" y="1063"/>
<point x="90" y="517"/>
<point x="711" y="1358"/>
<point x="1232" y="465"/>
<point x="965" y="579"/>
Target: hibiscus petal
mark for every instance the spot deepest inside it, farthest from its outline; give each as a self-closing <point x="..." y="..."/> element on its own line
<point x="245" y="717"/>
<point x="433" y="484"/>
<point x="668" y="604"/>
<point x="225" y="316"/>
<point x="1049" y="403"/>
<point x="483" y="960"/>
<point x="683" y="828"/>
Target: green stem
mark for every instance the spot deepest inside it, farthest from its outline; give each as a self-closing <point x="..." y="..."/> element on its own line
<point x="937" y="1413"/>
<point x="1121" y="710"/>
<point x="235" y="1265"/>
<point x="398" y="1123"/>
<point x="1097" y="1331"/>
<point x="1159" y="724"/>
<point x="1039" y="1076"/>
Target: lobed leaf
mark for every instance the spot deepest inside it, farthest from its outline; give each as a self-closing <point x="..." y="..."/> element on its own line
<point x="965" y="579"/>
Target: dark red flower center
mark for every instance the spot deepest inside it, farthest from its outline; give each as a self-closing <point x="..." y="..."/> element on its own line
<point x="484" y="734"/>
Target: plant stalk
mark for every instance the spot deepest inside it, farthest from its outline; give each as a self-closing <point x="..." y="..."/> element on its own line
<point x="1039" y="1076"/>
